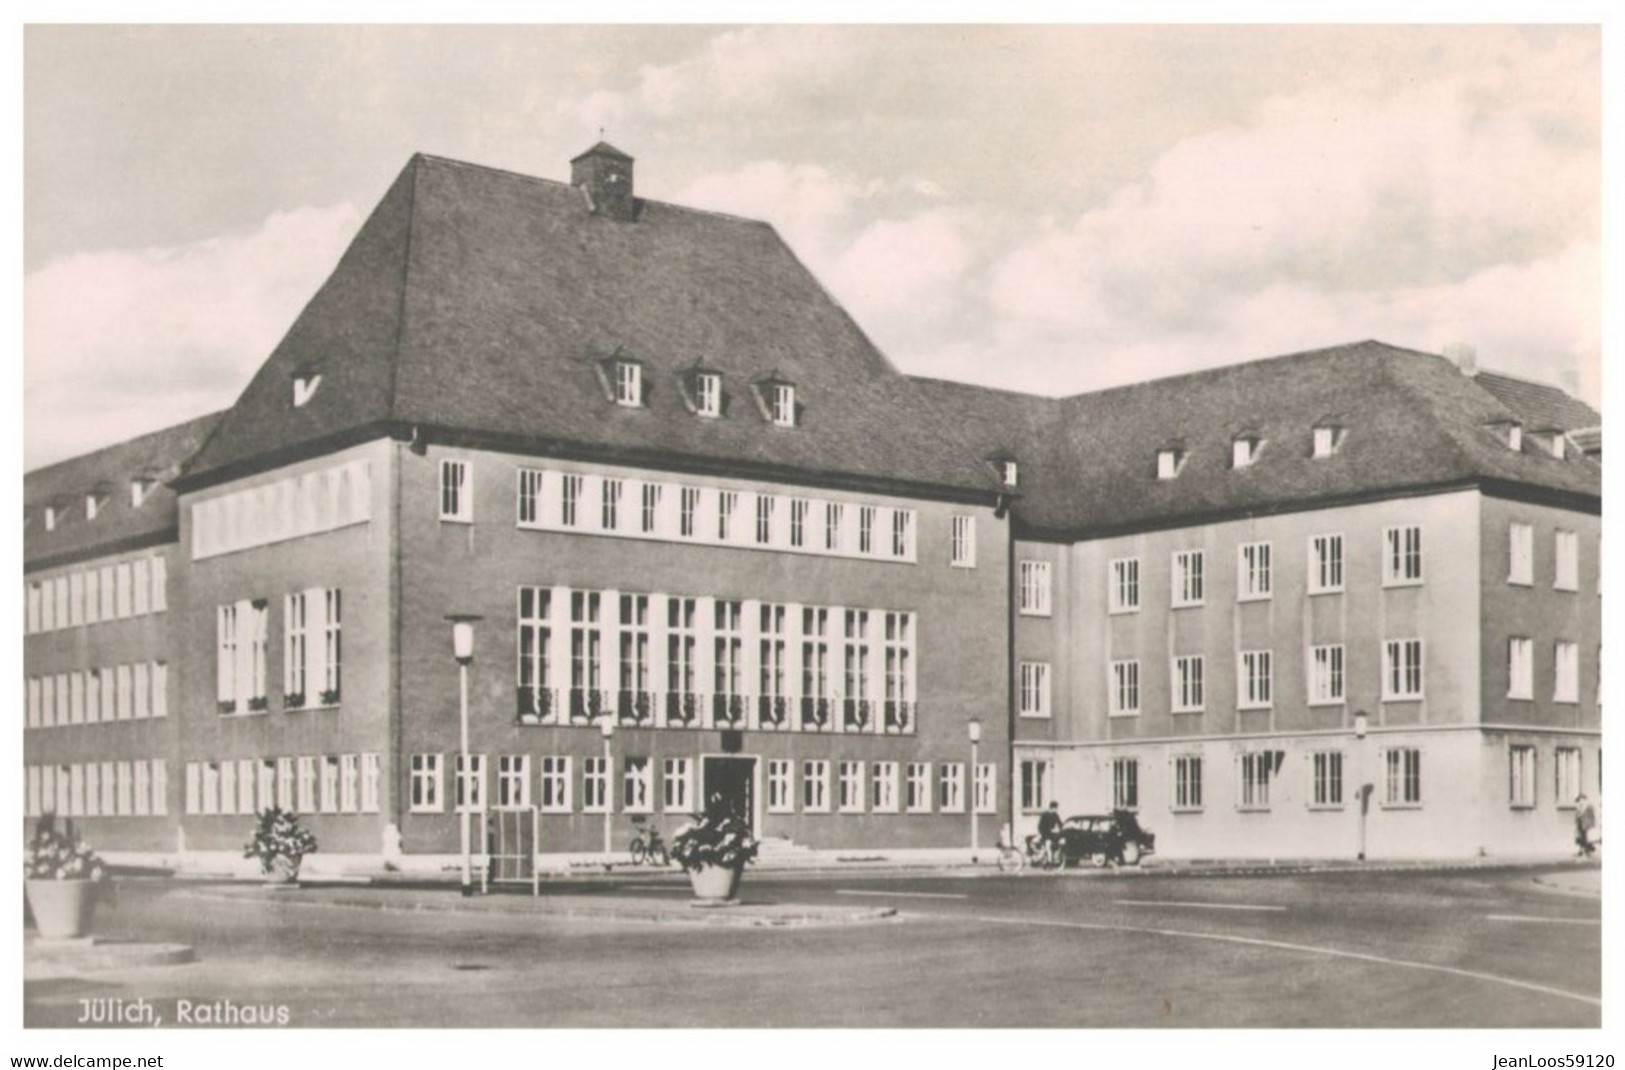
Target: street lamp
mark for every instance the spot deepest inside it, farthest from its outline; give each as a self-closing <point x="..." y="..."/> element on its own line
<point x="606" y="727"/>
<point x="974" y="730"/>
<point x="462" y="648"/>
<point x="1365" y="788"/>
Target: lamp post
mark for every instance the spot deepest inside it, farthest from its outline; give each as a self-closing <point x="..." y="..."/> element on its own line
<point x="462" y="648"/>
<point x="606" y="728"/>
<point x="1364" y="789"/>
<point x="974" y="731"/>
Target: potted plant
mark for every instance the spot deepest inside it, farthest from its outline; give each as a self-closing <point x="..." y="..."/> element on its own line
<point x="713" y="850"/>
<point x="61" y="877"/>
<point x="280" y="843"/>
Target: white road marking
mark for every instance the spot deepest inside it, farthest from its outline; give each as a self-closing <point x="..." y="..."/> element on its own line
<point x="1281" y="945"/>
<point x="905" y="895"/>
<point x="1194" y="906"/>
<point x="1545" y="921"/>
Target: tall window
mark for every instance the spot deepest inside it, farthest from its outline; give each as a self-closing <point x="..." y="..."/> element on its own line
<point x="951" y="787"/>
<point x="1035" y="588"/>
<point x="784" y="405"/>
<point x="634" y="702"/>
<point x="1036" y="778"/>
<point x="530" y="496"/>
<point x="240" y="651"/>
<point x="1521" y="554"/>
<point x="727" y="506"/>
<point x="649" y="508"/>
<point x="1402" y="781"/>
<point x="594" y="785"/>
<point x="1567" y="570"/>
<point x="962" y="542"/>
<point x="470" y="778"/>
<point x="295" y="651"/>
<point x="764" y="518"/>
<point x="834" y="521"/>
<point x="855" y="649"/>
<point x="780" y="800"/>
<point x="1402" y="669"/>
<point x="332" y="646"/>
<point x="984" y="788"/>
<point x="1566" y="672"/>
<point x="897" y="648"/>
<point x="1125" y="784"/>
<point x="773" y="702"/>
<point x="1123" y="586"/>
<point x="917" y="788"/>
<point x="1520" y="668"/>
<point x="1034" y="689"/>
<point x="866" y="529"/>
<point x="729" y="662"/>
<point x="815" y="711"/>
<point x="1257" y="770"/>
<point x="553" y="784"/>
<point x="1402" y="557"/>
<point x="677" y="785"/>
<point x="902" y="533"/>
<point x="610" y="498"/>
<point x="883" y="778"/>
<point x="572" y="488"/>
<point x="1255" y="680"/>
<point x="682" y="637"/>
<point x="628" y="383"/>
<point x="456" y="494"/>
<point x="1253" y="571"/>
<point x="815" y="786"/>
<point x="1187" y="782"/>
<point x="688" y="508"/>
<point x="535" y="636"/>
<point x="708" y="394"/>
<point x="637" y="785"/>
<point x="370" y="773"/>
<point x="1325" y="674"/>
<point x="586" y="656"/>
<point x="1326" y="778"/>
<point x="1188" y="588"/>
<point x="849" y="787"/>
<point x="1125" y="683"/>
<point x="1189" y="683"/>
<point x="798" y="521"/>
<point x="1566" y="772"/>
<point x="1325" y="564"/>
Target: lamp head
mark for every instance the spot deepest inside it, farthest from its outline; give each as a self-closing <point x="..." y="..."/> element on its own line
<point x="1360" y="723"/>
<point x="606" y="727"/>
<point x="974" y="730"/>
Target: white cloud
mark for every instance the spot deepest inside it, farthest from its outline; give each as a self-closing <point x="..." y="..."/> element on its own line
<point x="117" y="342"/>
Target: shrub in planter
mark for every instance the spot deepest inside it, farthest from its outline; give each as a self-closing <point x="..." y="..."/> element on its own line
<point x="61" y="877"/>
<point x="714" y="850"/>
<point x="280" y="843"/>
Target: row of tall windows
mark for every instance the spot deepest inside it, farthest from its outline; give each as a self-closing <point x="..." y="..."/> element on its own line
<point x="104" y="695"/>
<point x="129" y="788"/>
<point x="312" y="651"/>
<point x="306" y="784"/>
<point x="96" y="595"/>
<point x="287" y="508"/>
<point x="1523" y="762"/>
<point x="1521" y="557"/>
<point x="1521" y="669"/>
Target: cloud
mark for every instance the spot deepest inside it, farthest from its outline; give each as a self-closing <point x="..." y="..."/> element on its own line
<point x="122" y="341"/>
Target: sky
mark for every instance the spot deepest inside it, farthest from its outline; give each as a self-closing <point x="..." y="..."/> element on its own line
<point x="1042" y="208"/>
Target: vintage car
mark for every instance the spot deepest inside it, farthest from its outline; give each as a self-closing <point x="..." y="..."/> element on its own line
<point x="1101" y="839"/>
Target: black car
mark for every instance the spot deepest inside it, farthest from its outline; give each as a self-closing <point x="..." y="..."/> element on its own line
<point x="1101" y="839"/>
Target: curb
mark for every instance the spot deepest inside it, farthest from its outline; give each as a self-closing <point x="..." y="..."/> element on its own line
<point x="49" y="958"/>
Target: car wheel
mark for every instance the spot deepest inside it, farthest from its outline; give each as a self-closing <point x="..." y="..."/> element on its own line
<point x="1100" y="859"/>
<point x="1131" y="854"/>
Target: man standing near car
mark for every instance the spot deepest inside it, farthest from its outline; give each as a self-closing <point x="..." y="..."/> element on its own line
<point x="1049" y="829"/>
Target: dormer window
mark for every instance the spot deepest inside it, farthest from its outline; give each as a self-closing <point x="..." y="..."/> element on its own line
<point x="1515" y="438"/>
<point x="1009" y="475"/>
<point x="783" y="404"/>
<point x="140" y="487"/>
<point x="50" y="517"/>
<point x="628" y="383"/>
<point x="1560" y="445"/>
<point x="304" y="387"/>
<point x="1244" y="451"/>
<point x="1169" y="461"/>
<point x="93" y="505"/>
<point x="708" y="394"/>
<point x="1328" y="439"/>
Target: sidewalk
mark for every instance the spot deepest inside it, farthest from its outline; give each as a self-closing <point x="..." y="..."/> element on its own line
<point x="1585" y="881"/>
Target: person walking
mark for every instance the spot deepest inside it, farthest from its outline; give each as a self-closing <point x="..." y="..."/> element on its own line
<point x="1585" y="825"/>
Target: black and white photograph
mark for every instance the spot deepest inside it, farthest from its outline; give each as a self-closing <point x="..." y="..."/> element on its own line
<point x="1035" y="530"/>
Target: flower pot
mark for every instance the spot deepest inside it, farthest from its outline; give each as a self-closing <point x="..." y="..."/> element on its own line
<point x="715" y="884"/>
<point x="283" y="871"/>
<point x="62" y="909"/>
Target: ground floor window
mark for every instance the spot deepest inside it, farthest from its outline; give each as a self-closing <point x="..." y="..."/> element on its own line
<point x="1036" y="777"/>
<point x="951" y="788"/>
<point x="1125" y="784"/>
<point x="849" y="787"/>
<point x="885" y="787"/>
<point x="470" y="783"/>
<point x="678" y="785"/>
<point x="594" y="785"/>
<point x="815" y="785"/>
<point x="917" y="788"/>
<point x="1402" y="769"/>
<point x="1187" y="782"/>
<point x="1566" y="785"/>
<point x="1521" y="778"/>
<point x="637" y="787"/>
<point x="513" y="781"/>
<point x="779" y="797"/>
<point x="1257" y="771"/>
<point x="985" y="788"/>
<point x="1326" y="778"/>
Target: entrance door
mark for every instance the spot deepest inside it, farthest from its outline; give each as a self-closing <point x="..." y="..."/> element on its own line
<point x="732" y="782"/>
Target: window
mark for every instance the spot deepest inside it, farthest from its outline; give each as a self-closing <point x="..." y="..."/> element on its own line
<point x="456" y="496"/>
<point x="1521" y="554"/>
<point x="649" y="511"/>
<point x="628" y="383"/>
<point x="586" y="656"/>
<point x="141" y="591"/>
<point x="1402" y="669"/>
<point x="304" y="388"/>
<point x="1521" y="776"/>
<point x="815" y="786"/>
<point x="1035" y="588"/>
<point x="637" y="787"/>
<point x="330" y="784"/>
<point x="287" y="800"/>
<point x="513" y="781"/>
<point x="634" y="703"/>
<point x="728" y="689"/>
<point x="1515" y="437"/>
<point x="815" y="713"/>
<point x="1566" y="672"/>
<point x="727" y="505"/>
<point x="1034" y="689"/>
<point x="370" y="773"/>
<point x="1035" y="784"/>
<point x="884" y="781"/>
<point x="307" y="784"/>
<point x="471" y="783"/>
<point x="784" y="405"/>
<point x="866" y="529"/>
<point x="1520" y="668"/>
<point x="349" y="783"/>
<point x="765" y="504"/>
<point x="708" y="394"/>
<point x="1125" y="697"/>
<point x="1566" y="770"/>
<point x="295" y="682"/>
<point x="1325" y="564"/>
<point x="773" y="707"/>
<point x="1188" y="588"/>
<point x="855" y="657"/>
<point x="917" y="788"/>
<point x="1253" y="571"/>
<point x="531" y="483"/>
<point x="688" y="507"/>
<point x="1326" y="778"/>
<point x="594" y="785"/>
<point x="240" y="652"/>
<point x="1123" y="587"/>
<point x="681" y="640"/>
<point x="1403" y="777"/>
<point x="1258" y="768"/>
<point x="572" y="488"/>
<point x="798" y="521"/>
<point x="1325" y="675"/>
<point x="779" y="797"/>
<point x="1009" y="474"/>
<point x="1328" y="439"/>
<point x="834" y="521"/>
<point x="226" y="662"/>
<point x="1244" y="451"/>
<point x="1187" y="782"/>
<point x="1169" y="461"/>
<point x="902" y="533"/>
<point x="1189" y="673"/>
<point x="962" y="542"/>
<point x="553" y="784"/>
<point x="1567" y="549"/>
<point x="951" y="787"/>
<point x="1125" y="784"/>
<point x="535" y="636"/>
<point x="1255" y="679"/>
<point x="609" y="517"/>
<point x="849" y="787"/>
<point x="984" y="788"/>
<point x="897" y="649"/>
<point x="677" y="785"/>
<point x="1402" y="559"/>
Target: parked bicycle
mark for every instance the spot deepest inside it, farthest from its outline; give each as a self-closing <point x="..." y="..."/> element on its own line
<point x="1035" y="852"/>
<point x="647" y="846"/>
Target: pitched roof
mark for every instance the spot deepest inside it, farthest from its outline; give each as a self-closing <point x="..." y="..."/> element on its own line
<point x="482" y="302"/>
<point x="1538" y="406"/>
<point x="118" y="525"/>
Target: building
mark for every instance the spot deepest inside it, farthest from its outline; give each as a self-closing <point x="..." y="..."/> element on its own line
<point x="712" y="543"/>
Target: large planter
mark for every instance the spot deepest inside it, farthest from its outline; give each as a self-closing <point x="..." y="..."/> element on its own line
<point x="283" y="871"/>
<point x="62" y="909"/>
<point x="715" y="884"/>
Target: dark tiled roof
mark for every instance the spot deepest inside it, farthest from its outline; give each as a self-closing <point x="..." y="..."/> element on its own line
<point x="118" y="524"/>
<point x="1538" y="406"/>
<point x="484" y="301"/>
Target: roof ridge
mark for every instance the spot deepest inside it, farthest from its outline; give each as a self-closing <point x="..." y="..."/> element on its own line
<point x="1375" y="346"/>
<point x="126" y="444"/>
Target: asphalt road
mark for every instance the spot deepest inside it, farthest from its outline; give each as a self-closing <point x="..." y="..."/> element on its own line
<point x="1476" y="949"/>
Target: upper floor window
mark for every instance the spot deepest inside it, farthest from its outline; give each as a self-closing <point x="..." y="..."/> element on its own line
<point x="1125" y="684"/>
<point x="1188" y="586"/>
<point x="1402" y="557"/>
<point x="1567" y="548"/>
<point x="1253" y="571"/>
<point x="1034" y="698"/>
<point x="628" y="383"/>
<point x="1520" y="554"/>
<point x="962" y="543"/>
<point x="1566" y="672"/>
<point x="1188" y="683"/>
<point x="1169" y="462"/>
<point x="1325" y="564"/>
<point x="708" y="394"/>
<point x="1245" y="450"/>
<point x="1520" y="668"/>
<point x="1402" y="777"/>
<point x="456" y="493"/>
<point x="1255" y="680"/>
<point x="1123" y="586"/>
<point x="1325" y="674"/>
<point x="1328" y="439"/>
<point x="1402" y="669"/>
<point x="784" y="405"/>
<point x="1035" y="588"/>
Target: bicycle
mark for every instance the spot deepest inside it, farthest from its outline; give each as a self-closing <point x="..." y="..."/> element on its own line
<point x="651" y="850"/>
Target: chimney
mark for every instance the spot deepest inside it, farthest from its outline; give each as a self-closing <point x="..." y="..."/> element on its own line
<point x="604" y="174"/>
<point x="1465" y="357"/>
